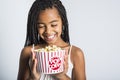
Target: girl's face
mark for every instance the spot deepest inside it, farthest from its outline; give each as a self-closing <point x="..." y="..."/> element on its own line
<point x="50" y="26"/>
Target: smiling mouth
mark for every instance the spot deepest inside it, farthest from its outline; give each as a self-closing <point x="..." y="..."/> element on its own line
<point x="50" y="37"/>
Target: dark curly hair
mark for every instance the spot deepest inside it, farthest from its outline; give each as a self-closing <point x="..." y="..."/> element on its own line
<point x="32" y="31"/>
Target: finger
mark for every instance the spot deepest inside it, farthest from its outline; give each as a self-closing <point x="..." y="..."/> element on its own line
<point x="66" y="63"/>
<point x="66" y="52"/>
<point x="34" y="65"/>
<point x="31" y="60"/>
<point x="66" y="58"/>
<point x="32" y="54"/>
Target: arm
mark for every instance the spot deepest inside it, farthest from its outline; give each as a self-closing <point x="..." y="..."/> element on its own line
<point x="78" y="72"/>
<point x="25" y="72"/>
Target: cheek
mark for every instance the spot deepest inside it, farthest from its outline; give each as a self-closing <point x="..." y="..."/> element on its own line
<point x="59" y="30"/>
<point x="40" y="31"/>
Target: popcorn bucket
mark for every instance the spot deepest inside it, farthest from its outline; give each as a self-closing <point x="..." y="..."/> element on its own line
<point x="50" y="62"/>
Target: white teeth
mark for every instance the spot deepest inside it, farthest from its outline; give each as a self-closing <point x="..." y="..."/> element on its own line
<point x="50" y="37"/>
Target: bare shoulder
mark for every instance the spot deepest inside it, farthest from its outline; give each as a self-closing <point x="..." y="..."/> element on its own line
<point x="75" y="48"/>
<point x="76" y="54"/>
<point x="77" y="51"/>
<point x="26" y="51"/>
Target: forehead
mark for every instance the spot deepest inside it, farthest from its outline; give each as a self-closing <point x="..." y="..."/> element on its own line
<point x="48" y="14"/>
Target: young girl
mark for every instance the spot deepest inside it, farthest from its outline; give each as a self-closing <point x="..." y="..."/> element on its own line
<point x="48" y="25"/>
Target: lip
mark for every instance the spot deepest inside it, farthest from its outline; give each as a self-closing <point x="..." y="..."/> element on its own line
<point x="50" y="37"/>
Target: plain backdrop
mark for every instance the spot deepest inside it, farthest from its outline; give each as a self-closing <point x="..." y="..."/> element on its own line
<point x="94" y="27"/>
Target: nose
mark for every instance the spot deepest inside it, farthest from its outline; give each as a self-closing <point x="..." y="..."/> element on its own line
<point x="48" y="30"/>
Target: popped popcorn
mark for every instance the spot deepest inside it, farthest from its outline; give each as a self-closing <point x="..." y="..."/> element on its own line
<point x="49" y="49"/>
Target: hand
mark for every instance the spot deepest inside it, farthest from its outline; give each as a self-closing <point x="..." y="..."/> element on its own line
<point x="35" y="75"/>
<point x="62" y="75"/>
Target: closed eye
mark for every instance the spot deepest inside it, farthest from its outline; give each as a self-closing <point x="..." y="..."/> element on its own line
<point x="41" y="26"/>
<point x="54" y="25"/>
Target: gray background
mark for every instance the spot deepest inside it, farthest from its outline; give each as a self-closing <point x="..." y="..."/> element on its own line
<point x="94" y="27"/>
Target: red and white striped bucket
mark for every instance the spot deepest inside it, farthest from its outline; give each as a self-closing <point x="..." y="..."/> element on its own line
<point x="50" y="62"/>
